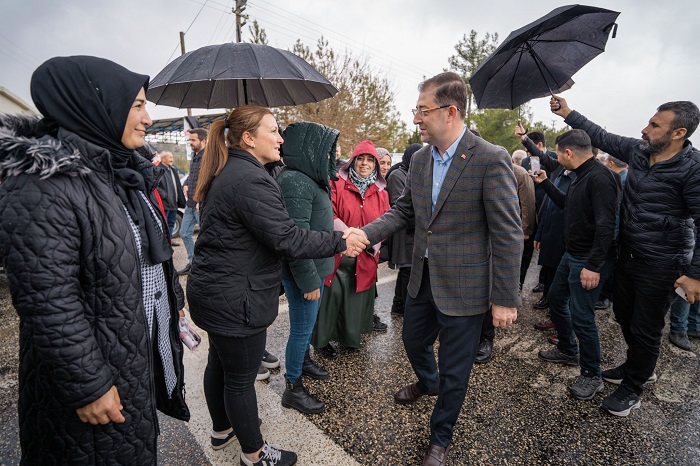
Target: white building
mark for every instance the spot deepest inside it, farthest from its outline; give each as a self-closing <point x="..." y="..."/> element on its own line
<point x="10" y="103"/>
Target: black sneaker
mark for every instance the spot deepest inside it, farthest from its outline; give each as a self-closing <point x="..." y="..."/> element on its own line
<point x="219" y="443"/>
<point x="378" y="325"/>
<point x="621" y="402"/>
<point x="617" y="374"/>
<point x="557" y="357"/>
<point x="270" y="361"/>
<point x="585" y="388"/>
<point x="263" y="373"/>
<point x="271" y="456"/>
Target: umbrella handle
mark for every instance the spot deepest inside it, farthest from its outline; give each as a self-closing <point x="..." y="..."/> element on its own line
<point x="557" y="101"/>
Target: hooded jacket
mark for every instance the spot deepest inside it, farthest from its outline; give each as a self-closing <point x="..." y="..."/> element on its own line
<point x="72" y="264"/>
<point x="350" y="209"/>
<point x="309" y="158"/>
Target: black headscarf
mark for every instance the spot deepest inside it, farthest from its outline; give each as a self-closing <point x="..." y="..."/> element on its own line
<point x="406" y="160"/>
<point x="92" y="97"/>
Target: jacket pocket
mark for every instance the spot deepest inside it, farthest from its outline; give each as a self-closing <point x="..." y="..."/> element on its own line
<point x="261" y="300"/>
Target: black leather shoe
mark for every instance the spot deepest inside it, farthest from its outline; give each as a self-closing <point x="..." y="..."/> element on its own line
<point x="483" y="355"/>
<point x="185" y="270"/>
<point x="328" y="351"/>
<point x="312" y="369"/>
<point x="541" y="304"/>
<point x="539" y="288"/>
<point x="296" y="396"/>
<point x="378" y="325"/>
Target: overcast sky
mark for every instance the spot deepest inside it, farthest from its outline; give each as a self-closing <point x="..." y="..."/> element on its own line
<point x="654" y="58"/>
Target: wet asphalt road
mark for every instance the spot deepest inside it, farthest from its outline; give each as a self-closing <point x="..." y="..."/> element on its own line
<point x="517" y="409"/>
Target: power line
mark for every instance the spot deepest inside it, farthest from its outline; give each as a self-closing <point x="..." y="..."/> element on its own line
<point x="188" y="27"/>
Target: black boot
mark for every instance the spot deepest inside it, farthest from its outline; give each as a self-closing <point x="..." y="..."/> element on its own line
<point x="312" y="369"/>
<point x="296" y="396"/>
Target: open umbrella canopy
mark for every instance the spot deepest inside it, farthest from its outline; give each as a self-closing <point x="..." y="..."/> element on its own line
<point x="230" y="75"/>
<point x="540" y="58"/>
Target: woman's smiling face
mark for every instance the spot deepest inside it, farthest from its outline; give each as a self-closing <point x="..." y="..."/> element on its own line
<point x="364" y="165"/>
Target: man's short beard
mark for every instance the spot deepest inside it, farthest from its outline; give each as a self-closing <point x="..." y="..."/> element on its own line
<point x="656" y="147"/>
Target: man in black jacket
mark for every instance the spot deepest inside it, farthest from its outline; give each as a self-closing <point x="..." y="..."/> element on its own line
<point x="659" y="251"/>
<point x="170" y="189"/>
<point x="590" y="207"/>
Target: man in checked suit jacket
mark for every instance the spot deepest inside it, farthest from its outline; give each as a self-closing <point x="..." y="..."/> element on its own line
<point x="462" y="196"/>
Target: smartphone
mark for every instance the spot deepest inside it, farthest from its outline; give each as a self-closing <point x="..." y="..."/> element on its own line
<point x="680" y="292"/>
<point x="534" y="164"/>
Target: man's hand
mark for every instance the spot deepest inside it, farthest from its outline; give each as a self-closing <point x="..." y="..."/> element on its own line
<point x="503" y="316"/>
<point x="589" y="279"/>
<point x="691" y="286"/>
<point x="537" y="245"/>
<point x="520" y="132"/>
<point x="103" y="410"/>
<point x="314" y="295"/>
<point x="558" y="106"/>
<point x="184" y="189"/>
<point x="355" y="240"/>
<point x="538" y="177"/>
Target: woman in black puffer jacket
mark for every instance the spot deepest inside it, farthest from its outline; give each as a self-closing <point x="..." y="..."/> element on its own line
<point x="89" y="264"/>
<point x="233" y="287"/>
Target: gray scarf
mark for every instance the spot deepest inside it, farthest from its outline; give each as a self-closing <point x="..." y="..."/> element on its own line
<point x="363" y="183"/>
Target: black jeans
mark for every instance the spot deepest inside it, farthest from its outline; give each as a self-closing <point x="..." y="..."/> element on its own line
<point x="459" y="341"/>
<point x="488" y="331"/>
<point x="526" y="258"/>
<point x="547" y="274"/>
<point x="401" y="290"/>
<point x="229" y="386"/>
<point x="643" y="294"/>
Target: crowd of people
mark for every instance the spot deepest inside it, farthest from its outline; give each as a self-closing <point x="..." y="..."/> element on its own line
<point x="88" y="218"/>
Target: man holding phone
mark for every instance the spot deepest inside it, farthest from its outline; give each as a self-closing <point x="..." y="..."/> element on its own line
<point x="658" y="224"/>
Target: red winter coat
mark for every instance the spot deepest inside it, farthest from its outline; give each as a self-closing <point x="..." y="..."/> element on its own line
<point x="349" y="209"/>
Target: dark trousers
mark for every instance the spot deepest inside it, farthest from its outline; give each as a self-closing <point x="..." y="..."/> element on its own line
<point x="401" y="290"/>
<point x="229" y="386"/>
<point x="528" y="250"/>
<point x="573" y="312"/>
<point x="459" y="341"/>
<point x="547" y="277"/>
<point x="643" y="294"/>
<point x="488" y="331"/>
<point x="171" y="217"/>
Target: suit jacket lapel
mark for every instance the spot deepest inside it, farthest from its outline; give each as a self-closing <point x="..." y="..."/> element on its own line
<point x="459" y="161"/>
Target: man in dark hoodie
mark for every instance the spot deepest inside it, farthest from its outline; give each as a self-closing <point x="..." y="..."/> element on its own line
<point x="309" y="157"/>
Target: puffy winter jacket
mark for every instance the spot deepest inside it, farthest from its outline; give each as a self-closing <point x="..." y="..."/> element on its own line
<point x="309" y="157"/>
<point x="233" y="287"/>
<point x="661" y="203"/>
<point x="73" y="270"/>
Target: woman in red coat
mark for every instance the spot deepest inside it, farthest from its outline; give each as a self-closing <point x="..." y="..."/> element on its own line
<point x="347" y="306"/>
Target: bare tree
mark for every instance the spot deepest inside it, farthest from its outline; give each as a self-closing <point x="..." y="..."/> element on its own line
<point x="362" y="109"/>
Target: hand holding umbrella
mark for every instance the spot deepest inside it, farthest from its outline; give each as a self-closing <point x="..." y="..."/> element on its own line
<point x="558" y="106"/>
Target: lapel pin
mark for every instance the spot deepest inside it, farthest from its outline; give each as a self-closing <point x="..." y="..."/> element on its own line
<point x="464" y="156"/>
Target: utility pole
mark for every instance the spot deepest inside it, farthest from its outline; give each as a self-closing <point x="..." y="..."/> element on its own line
<point x="240" y="17"/>
<point x="182" y="49"/>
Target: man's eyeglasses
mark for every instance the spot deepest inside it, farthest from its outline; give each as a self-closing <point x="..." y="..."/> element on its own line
<point x="424" y="111"/>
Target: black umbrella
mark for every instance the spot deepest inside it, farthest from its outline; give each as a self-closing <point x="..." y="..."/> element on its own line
<point x="230" y="75"/>
<point x="540" y="58"/>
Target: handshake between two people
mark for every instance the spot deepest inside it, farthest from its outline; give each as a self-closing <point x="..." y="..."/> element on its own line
<point x="356" y="242"/>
